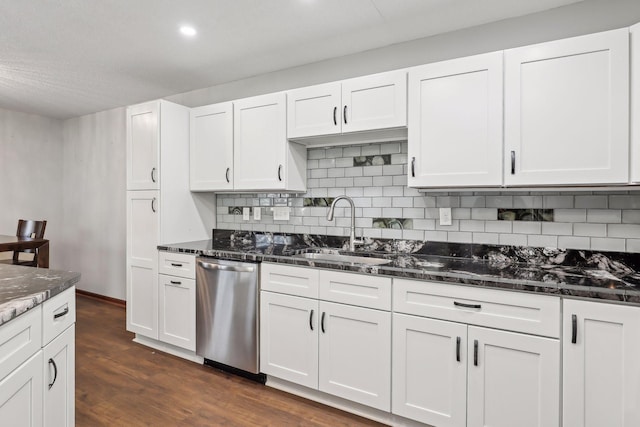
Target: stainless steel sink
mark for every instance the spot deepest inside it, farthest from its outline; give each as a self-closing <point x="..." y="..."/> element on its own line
<point x="352" y="259"/>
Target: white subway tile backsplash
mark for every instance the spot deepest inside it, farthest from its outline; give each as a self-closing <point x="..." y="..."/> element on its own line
<point x="624" y="201"/>
<point x="631" y="231"/>
<point x="591" y="230"/>
<point x="390" y="233"/>
<point x="486" y="238"/>
<point x="557" y="202"/>
<point x="607" y="244"/>
<point x="527" y="227"/>
<point x="542" y="241"/>
<point x="582" y="220"/>
<point x="606" y="216"/>
<point x="591" y="202"/>
<point x="513" y="239"/>
<point x="571" y="242"/>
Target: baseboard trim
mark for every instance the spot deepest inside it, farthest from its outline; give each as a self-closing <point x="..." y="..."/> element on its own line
<point x="109" y="300"/>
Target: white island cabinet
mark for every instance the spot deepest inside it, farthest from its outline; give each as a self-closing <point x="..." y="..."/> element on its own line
<point x="37" y="365"/>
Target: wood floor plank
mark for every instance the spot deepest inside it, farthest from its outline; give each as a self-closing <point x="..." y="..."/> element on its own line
<point x="121" y="383"/>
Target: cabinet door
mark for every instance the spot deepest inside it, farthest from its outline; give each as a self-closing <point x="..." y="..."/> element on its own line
<point x="211" y="148"/>
<point x="314" y="110"/>
<point x="455" y="117"/>
<point x="567" y="111"/>
<point x="21" y="394"/>
<point x="59" y="378"/>
<point x="260" y="138"/>
<point x="513" y="379"/>
<point x="289" y="338"/>
<point x="601" y="375"/>
<point x="177" y="311"/>
<point x="142" y="262"/>
<point x="635" y="103"/>
<point x="355" y="354"/>
<point x="429" y="370"/>
<point x="374" y="102"/>
<point x="143" y="142"/>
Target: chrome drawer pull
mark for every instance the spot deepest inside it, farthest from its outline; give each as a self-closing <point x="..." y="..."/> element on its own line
<point x="461" y="304"/>
<point x="62" y="313"/>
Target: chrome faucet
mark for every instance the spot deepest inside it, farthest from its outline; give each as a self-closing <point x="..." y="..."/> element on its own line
<point x="352" y="236"/>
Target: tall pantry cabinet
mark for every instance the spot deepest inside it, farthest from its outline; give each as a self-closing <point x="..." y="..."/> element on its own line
<point x="160" y="207"/>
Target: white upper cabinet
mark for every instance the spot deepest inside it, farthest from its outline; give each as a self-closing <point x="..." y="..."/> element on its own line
<point x="211" y="148"/>
<point x="263" y="158"/>
<point x="455" y="123"/>
<point x="567" y="111"/>
<point x="143" y="144"/>
<point x="635" y="103"/>
<point x="368" y="103"/>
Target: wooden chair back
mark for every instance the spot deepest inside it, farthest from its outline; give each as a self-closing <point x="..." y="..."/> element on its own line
<point x="29" y="228"/>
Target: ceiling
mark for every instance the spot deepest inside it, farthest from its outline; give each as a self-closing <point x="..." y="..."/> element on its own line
<point x="68" y="58"/>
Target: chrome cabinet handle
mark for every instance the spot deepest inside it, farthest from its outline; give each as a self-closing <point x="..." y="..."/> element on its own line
<point x="227" y="175"/>
<point x="413" y="167"/>
<point x="55" y="373"/>
<point x="311" y="320"/>
<point x="335" y="117"/>
<point x="153" y="204"/>
<point x="461" y="304"/>
<point x="513" y="162"/>
<point x="279" y="172"/>
<point x="475" y="352"/>
<point x="62" y="313"/>
<point x="153" y="171"/>
<point x="322" y="322"/>
<point x="344" y="114"/>
<point x="210" y="266"/>
<point x="458" y="349"/>
<point x="574" y="329"/>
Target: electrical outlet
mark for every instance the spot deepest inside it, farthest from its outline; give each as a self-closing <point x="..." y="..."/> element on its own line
<point x="281" y="213"/>
<point x="246" y="214"/>
<point x="445" y="216"/>
<point x="257" y="213"/>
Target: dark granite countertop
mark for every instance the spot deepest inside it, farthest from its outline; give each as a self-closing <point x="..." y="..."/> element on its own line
<point x="23" y="288"/>
<point x="611" y="276"/>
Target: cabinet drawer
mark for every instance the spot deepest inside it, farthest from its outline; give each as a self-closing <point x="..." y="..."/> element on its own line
<point x="58" y="313"/>
<point x="285" y="279"/>
<point x="528" y="313"/>
<point x="19" y="339"/>
<point x="355" y="289"/>
<point x="174" y="264"/>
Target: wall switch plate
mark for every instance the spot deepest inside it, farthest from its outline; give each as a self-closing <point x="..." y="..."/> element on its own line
<point x="246" y="214"/>
<point x="445" y="216"/>
<point x="257" y="213"/>
<point x="281" y="213"/>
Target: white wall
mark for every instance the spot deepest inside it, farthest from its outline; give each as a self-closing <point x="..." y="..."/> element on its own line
<point x="94" y="201"/>
<point x="31" y="175"/>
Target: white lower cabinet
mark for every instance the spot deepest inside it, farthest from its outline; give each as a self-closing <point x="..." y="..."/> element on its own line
<point x="340" y="349"/>
<point x="289" y="338"/>
<point x="21" y="394"/>
<point x="601" y="374"/>
<point x="59" y="377"/>
<point x="177" y="311"/>
<point x="430" y="370"/>
<point x="355" y="354"/>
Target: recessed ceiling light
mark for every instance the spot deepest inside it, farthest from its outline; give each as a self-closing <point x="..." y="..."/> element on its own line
<point x="188" y="31"/>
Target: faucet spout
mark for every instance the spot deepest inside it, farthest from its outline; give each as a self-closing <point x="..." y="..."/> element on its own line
<point x="352" y="235"/>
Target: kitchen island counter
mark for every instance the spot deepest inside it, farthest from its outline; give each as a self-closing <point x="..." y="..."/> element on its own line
<point x="23" y="288"/>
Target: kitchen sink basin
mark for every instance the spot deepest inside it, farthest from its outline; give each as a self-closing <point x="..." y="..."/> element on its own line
<point x="353" y="259"/>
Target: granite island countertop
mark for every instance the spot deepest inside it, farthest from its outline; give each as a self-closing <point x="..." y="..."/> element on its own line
<point x="594" y="275"/>
<point x="23" y="288"/>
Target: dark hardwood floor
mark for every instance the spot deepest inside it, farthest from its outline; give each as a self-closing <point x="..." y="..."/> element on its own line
<point x="121" y="383"/>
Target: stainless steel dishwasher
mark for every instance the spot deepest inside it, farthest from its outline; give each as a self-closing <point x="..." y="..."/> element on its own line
<point x="227" y="315"/>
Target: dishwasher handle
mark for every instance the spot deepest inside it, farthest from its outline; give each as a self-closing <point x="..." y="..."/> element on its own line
<point x="223" y="267"/>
